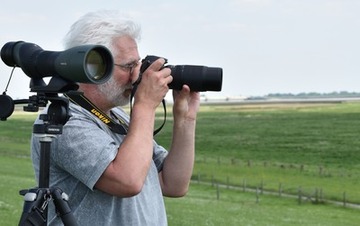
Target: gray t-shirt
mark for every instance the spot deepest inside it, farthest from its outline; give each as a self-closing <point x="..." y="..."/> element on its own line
<point x="79" y="156"/>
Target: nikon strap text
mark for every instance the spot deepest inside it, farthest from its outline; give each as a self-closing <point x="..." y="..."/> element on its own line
<point x="79" y="99"/>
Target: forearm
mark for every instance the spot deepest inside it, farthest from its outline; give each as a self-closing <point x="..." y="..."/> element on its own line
<point x="135" y="153"/>
<point x="179" y="163"/>
<point x="126" y="174"/>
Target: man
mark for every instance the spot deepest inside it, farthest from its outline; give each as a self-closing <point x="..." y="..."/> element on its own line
<point x="115" y="179"/>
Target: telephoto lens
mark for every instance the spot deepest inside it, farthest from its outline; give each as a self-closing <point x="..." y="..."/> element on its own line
<point x="198" y="78"/>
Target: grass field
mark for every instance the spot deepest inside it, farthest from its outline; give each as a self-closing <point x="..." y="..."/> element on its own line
<point x="299" y="145"/>
<point x="238" y="208"/>
<point x="312" y="146"/>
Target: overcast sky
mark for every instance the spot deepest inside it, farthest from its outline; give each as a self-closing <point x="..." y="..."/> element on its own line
<point x="263" y="46"/>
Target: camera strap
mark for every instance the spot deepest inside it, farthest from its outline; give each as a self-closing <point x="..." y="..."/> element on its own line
<point x="79" y="99"/>
<point x="121" y="128"/>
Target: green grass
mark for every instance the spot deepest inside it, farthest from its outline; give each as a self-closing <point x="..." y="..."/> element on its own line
<point x="313" y="146"/>
<point x="289" y="177"/>
<point x="16" y="173"/>
<point x="15" y="134"/>
<point x="320" y="135"/>
<point x="201" y="207"/>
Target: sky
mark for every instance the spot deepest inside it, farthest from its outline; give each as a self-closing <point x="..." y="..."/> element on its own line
<point x="263" y="46"/>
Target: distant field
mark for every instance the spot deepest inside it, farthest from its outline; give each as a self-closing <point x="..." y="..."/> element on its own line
<point x="308" y="145"/>
<point x="292" y="146"/>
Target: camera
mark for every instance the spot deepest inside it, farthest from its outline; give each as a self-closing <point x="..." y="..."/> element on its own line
<point x="198" y="78"/>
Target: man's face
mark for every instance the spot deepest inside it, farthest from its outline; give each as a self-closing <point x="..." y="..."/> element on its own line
<point x="126" y="69"/>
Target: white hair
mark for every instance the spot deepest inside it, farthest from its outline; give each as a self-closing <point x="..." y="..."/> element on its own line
<point x="101" y="28"/>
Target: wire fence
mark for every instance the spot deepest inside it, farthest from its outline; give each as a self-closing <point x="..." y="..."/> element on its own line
<point x="302" y="194"/>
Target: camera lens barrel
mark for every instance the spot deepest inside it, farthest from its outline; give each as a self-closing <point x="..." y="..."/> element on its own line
<point x="198" y="78"/>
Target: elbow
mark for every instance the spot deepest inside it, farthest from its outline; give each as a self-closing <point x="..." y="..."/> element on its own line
<point x="133" y="189"/>
<point x="176" y="192"/>
<point x="123" y="189"/>
<point x="129" y="189"/>
<point x="183" y="192"/>
<point x="123" y="184"/>
<point x="180" y="194"/>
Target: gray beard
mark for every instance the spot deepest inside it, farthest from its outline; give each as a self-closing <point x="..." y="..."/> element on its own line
<point x="114" y="92"/>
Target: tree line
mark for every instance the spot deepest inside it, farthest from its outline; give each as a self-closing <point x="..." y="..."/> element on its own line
<point x="341" y="94"/>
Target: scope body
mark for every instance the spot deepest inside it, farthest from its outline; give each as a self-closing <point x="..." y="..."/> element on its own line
<point x="85" y="64"/>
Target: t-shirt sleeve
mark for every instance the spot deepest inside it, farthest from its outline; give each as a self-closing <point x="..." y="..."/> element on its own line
<point x="159" y="156"/>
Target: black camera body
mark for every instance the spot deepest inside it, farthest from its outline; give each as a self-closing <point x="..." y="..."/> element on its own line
<point x="198" y="78"/>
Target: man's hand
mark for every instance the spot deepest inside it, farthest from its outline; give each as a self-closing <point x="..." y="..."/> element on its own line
<point x="186" y="104"/>
<point x="154" y="84"/>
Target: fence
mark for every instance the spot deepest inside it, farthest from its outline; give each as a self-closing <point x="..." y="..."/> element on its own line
<point x="314" y="195"/>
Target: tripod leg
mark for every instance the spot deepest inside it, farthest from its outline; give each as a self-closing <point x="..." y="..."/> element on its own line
<point x="33" y="211"/>
<point x="62" y="207"/>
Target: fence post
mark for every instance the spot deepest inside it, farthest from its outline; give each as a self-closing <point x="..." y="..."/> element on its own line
<point x="300" y="195"/>
<point x="233" y="161"/>
<point x="217" y="191"/>
<point x="244" y="185"/>
<point x="344" y="198"/>
<point x="280" y="189"/>
<point x="321" y="195"/>
<point x="257" y="194"/>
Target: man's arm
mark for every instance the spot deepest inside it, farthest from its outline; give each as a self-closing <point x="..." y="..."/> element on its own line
<point x="126" y="174"/>
<point x="178" y="166"/>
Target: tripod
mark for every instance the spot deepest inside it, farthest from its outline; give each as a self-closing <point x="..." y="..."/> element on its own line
<point x="37" y="199"/>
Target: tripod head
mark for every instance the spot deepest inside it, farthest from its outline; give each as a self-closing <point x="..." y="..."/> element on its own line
<point x="44" y="94"/>
<point x="57" y="115"/>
